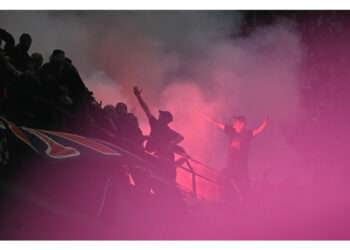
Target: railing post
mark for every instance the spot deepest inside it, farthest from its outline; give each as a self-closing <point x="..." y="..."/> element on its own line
<point x="194" y="186"/>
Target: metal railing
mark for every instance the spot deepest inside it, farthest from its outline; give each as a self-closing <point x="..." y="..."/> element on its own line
<point x="193" y="191"/>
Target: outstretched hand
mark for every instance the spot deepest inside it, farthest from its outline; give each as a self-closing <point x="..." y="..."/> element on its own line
<point x="137" y="91"/>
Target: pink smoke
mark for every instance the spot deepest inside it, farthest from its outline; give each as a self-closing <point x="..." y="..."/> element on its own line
<point x="191" y="65"/>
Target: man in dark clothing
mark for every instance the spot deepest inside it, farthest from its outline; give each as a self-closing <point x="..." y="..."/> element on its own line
<point x="38" y="60"/>
<point x="127" y="126"/>
<point x="54" y="92"/>
<point x="162" y="139"/>
<point x="7" y="69"/>
<point x="107" y="120"/>
<point x="8" y="76"/>
<point x="71" y="78"/>
<point x="239" y="143"/>
<point x="9" y="41"/>
<point x="28" y="91"/>
<point x="55" y="66"/>
<point x="19" y="54"/>
<point x="50" y="94"/>
<point x="62" y="69"/>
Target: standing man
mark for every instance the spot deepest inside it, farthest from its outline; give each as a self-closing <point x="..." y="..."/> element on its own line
<point x="162" y="139"/>
<point x="239" y="143"/>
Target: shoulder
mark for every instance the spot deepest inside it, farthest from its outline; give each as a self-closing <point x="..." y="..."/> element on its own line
<point x="69" y="66"/>
<point x="20" y="50"/>
<point x="153" y="120"/>
<point x="131" y="117"/>
<point x="45" y="67"/>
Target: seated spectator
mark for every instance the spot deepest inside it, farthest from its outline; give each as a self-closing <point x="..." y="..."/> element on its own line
<point x="55" y="66"/>
<point x="29" y="90"/>
<point x="109" y="114"/>
<point x="128" y="126"/>
<point x="54" y="90"/>
<point x="62" y="69"/>
<point x="38" y="60"/>
<point x="96" y="111"/>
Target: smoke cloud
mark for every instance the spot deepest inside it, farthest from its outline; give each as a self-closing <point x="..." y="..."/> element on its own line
<point x="196" y="62"/>
<point x="187" y="62"/>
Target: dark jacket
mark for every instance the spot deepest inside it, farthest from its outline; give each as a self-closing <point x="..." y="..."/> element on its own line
<point x="20" y="57"/>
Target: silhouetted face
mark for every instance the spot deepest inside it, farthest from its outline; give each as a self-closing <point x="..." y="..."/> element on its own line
<point x="164" y="118"/>
<point x="30" y="66"/>
<point x="58" y="58"/>
<point x="109" y="110"/>
<point x="121" y="109"/>
<point x="38" y="60"/>
<point x="238" y="125"/>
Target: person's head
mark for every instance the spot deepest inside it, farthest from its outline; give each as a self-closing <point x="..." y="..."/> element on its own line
<point x="165" y="117"/>
<point x="121" y="109"/>
<point x="109" y="110"/>
<point x="38" y="60"/>
<point x="30" y="65"/>
<point x="25" y="41"/>
<point x="58" y="57"/>
<point x="239" y="123"/>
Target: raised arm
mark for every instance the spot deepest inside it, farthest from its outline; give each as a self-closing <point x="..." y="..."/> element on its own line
<point x="261" y="128"/>
<point x="220" y="125"/>
<point x="144" y="106"/>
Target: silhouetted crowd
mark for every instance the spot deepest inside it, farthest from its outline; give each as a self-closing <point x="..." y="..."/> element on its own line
<point x="38" y="95"/>
<point x="53" y="96"/>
